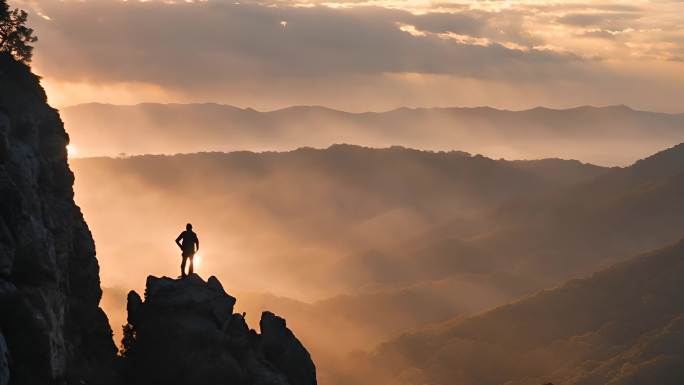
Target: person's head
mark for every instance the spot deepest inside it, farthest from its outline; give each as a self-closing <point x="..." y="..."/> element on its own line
<point x="188" y="227"/>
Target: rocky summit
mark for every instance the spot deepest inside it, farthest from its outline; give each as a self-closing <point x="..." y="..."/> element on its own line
<point x="184" y="331"/>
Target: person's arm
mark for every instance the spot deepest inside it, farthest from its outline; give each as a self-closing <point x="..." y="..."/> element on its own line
<point x="178" y="241"/>
<point x="196" y="243"/>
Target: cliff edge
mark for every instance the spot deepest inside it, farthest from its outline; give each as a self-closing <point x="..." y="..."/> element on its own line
<point x="51" y="327"/>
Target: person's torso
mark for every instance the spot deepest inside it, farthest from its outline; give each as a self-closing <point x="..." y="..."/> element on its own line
<point x="189" y="240"/>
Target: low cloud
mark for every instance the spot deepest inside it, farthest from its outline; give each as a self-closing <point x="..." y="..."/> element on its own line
<point x="605" y="19"/>
<point x="210" y="50"/>
<point x="200" y="43"/>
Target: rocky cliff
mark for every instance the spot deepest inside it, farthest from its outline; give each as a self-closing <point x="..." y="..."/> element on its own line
<point x="51" y="327"/>
<point x="185" y="332"/>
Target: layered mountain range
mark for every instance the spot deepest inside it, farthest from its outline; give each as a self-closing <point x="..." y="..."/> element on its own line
<point x="361" y="244"/>
<point x="623" y="325"/>
<point x="613" y="135"/>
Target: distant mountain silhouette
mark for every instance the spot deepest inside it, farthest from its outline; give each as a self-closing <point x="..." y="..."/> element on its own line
<point x="615" y="135"/>
<point x="561" y="171"/>
<point x="623" y="325"/>
<point x="557" y="234"/>
<point x="625" y="210"/>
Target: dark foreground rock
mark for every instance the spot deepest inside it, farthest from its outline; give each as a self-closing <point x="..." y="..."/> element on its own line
<point x="185" y="332"/>
<point x="51" y="327"/>
<point x="4" y="362"/>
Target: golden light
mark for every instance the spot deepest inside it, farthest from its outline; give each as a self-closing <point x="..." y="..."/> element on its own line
<point x="71" y="150"/>
<point x="196" y="261"/>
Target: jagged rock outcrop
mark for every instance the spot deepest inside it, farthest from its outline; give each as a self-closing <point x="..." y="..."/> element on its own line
<point x="50" y="320"/>
<point x="185" y="332"/>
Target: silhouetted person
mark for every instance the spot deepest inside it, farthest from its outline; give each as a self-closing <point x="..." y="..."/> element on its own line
<point x="189" y="244"/>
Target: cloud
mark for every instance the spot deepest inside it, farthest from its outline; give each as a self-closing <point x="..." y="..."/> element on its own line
<point x="239" y="52"/>
<point x="614" y="20"/>
<point x="439" y="22"/>
<point x="201" y="43"/>
<point x="599" y="33"/>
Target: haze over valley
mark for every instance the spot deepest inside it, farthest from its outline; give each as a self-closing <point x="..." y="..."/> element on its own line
<point x="362" y="244"/>
<point x="274" y="192"/>
<point x="608" y="136"/>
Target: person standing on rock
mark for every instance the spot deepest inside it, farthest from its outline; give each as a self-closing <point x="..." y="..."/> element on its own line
<point x="189" y="244"/>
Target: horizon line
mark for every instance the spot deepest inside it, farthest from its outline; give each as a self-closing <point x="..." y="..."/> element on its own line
<point x="318" y="106"/>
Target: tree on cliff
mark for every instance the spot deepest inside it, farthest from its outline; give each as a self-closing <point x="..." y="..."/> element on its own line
<point x="15" y="36"/>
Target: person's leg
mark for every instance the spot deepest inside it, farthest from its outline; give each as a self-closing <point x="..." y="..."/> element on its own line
<point x="183" y="265"/>
<point x="191" y="269"/>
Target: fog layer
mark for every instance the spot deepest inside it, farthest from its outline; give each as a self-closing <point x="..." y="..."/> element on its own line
<point x="355" y="245"/>
<point x="607" y="136"/>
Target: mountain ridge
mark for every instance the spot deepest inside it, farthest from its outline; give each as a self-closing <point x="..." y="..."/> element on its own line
<point x="615" y="135"/>
<point x="603" y="315"/>
<point x="609" y="107"/>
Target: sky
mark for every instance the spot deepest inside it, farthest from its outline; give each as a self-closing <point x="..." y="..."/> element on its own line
<point x="362" y="55"/>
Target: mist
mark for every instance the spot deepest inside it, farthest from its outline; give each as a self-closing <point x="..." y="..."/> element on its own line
<point x="608" y="136"/>
<point x="356" y="245"/>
